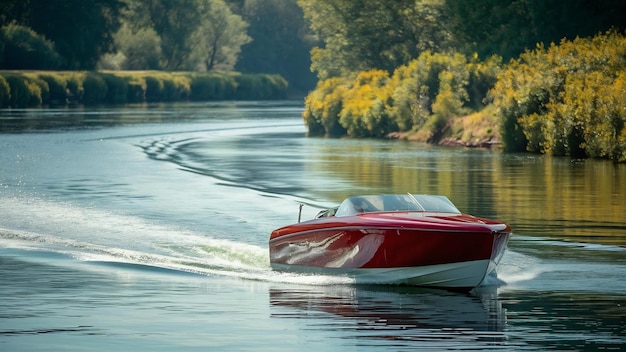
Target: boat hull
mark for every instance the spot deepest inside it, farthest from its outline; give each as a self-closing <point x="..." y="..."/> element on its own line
<point x="389" y="250"/>
<point x="462" y="276"/>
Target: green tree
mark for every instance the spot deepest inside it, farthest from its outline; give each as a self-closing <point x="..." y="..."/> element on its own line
<point x="140" y="48"/>
<point x="219" y="39"/>
<point x="22" y="48"/>
<point x="175" y="22"/>
<point x="82" y="30"/>
<point x="191" y="34"/>
<point x="508" y="27"/>
<point x="281" y="42"/>
<point x="358" y="35"/>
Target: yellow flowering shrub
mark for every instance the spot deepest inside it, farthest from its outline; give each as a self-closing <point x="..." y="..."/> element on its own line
<point x="567" y="99"/>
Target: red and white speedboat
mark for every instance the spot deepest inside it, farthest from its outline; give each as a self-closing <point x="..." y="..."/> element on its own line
<point x="421" y="240"/>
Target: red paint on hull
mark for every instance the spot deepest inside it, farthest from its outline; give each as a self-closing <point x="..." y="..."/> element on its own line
<point x="388" y="240"/>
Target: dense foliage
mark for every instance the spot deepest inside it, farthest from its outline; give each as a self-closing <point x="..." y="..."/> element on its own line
<point x="35" y="88"/>
<point x="381" y="73"/>
<point x="372" y="34"/>
<point x="199" y="35"/>
<point x="23" y="48"/>
<point x="429" y="90"/>
<point x="508" y="28"/>
<point x="81" y="30"/>
<point x="280" y="42"/>
<point x="380" y="66"/>
<point x="252" y="36"/>
<point x="567" y="99"/>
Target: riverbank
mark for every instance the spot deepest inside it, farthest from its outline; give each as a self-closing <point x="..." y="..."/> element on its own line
<point x="21" y="89"/>
<point x="477" y="130"/>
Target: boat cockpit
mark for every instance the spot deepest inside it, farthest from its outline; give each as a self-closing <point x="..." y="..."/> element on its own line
<point x="392" y="203"/>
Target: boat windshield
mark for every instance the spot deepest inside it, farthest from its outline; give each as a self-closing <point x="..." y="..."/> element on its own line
<point x="396" y="202"/>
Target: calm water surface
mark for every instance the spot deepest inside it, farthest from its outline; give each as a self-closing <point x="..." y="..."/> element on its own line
<point x="146" y="228"/>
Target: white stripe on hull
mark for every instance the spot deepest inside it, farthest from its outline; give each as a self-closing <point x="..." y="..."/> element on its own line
<point x="451" y="275"/>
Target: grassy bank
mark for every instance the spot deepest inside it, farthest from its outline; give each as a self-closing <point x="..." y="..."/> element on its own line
<point x="20" y="89"/>
<point x="480" y="129"/>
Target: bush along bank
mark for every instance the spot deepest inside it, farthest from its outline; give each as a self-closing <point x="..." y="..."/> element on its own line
<point x="567" y="99"/>
<point x="21" y="89"/>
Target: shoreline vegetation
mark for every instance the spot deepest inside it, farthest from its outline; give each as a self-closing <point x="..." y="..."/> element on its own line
<point x="567" y="99"/>
<point x="477" y="130"/>
<point x="36" y="88"/>
<point x="533" y="76"/>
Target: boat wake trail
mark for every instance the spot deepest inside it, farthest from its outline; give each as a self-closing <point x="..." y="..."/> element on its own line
<point x="212" y="257"/>
<point x="124" y="241"/>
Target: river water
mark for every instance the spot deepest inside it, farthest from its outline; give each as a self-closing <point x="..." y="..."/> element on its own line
<point x="146" y="228"/>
